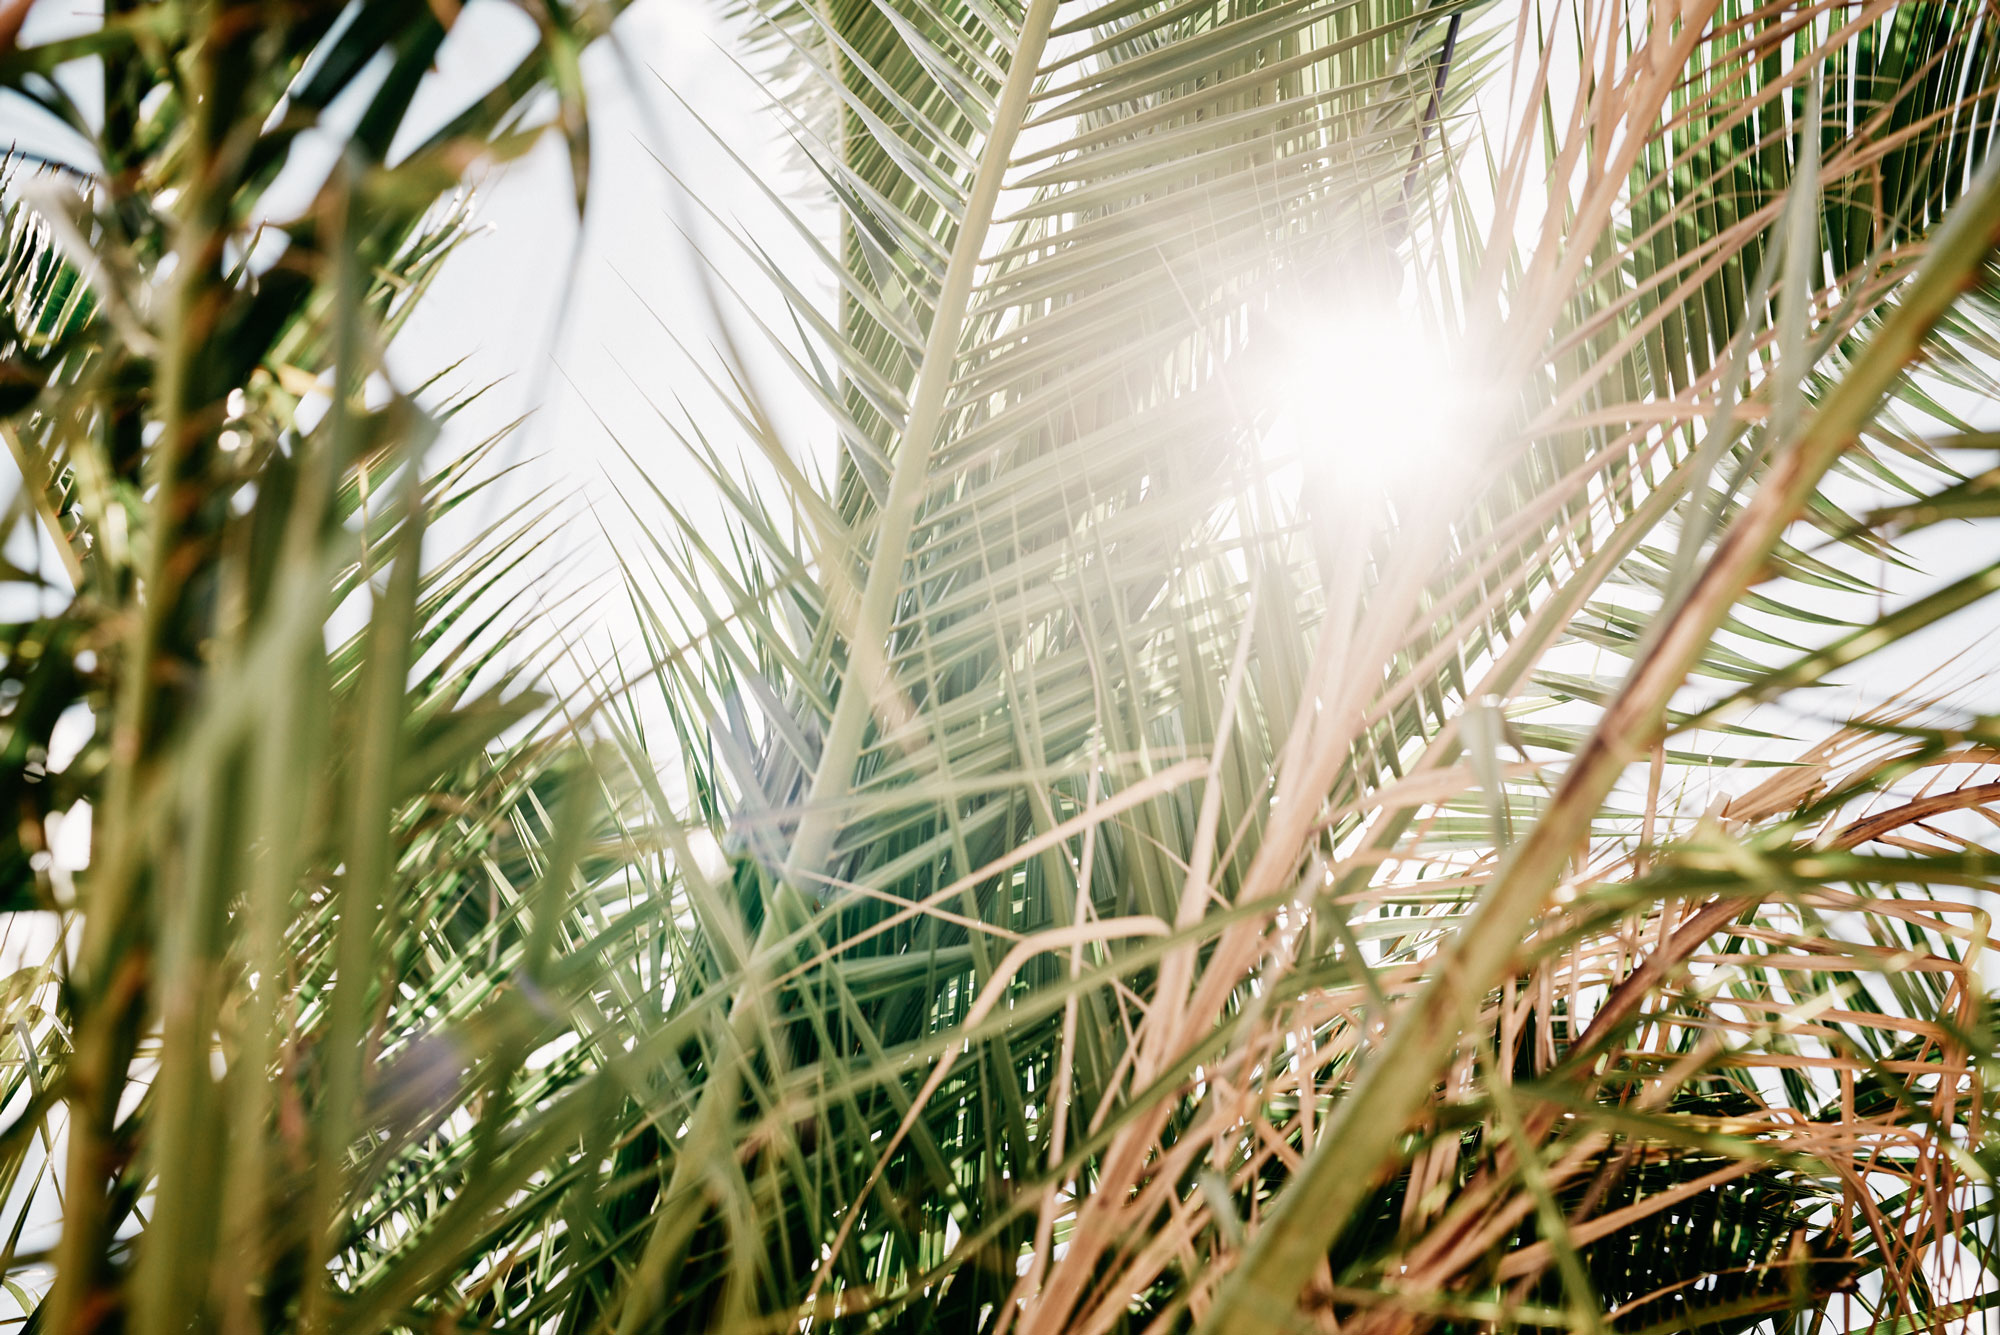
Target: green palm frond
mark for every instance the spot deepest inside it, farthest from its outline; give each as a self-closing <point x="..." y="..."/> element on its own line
<point x="1060" y="564"/>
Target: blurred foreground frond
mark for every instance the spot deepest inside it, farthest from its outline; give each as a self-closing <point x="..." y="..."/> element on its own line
<point x="317" y="900"/>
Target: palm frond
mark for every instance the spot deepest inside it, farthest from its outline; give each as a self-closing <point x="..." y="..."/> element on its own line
<point x="1087" y="574"/>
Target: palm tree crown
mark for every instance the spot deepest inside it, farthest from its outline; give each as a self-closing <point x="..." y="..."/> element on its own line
<point x="1270" y="757"/>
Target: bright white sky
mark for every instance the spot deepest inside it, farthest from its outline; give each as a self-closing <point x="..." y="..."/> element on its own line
<point x="591" y="354"/>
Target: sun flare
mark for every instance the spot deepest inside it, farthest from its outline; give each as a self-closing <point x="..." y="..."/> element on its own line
<point x="1369" y="398"/>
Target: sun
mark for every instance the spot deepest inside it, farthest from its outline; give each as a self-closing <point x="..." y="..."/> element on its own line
<point x="1371" y="400"/>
